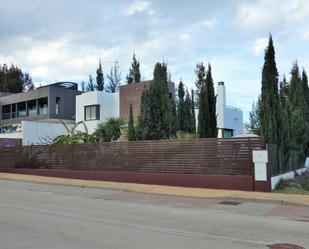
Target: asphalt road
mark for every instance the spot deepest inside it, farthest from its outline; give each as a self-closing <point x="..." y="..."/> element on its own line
<point x="38" y="216"/>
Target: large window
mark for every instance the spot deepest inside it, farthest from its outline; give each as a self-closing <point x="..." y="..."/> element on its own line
<point x="92" y="112"/>
<point x="43" y="106"/>
<point x="21" y="110"/>
<point x="6" y="112"/>
<point x="32" y="108"/>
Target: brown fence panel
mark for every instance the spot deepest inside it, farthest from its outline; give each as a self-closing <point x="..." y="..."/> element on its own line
<point x="199" y="156"/>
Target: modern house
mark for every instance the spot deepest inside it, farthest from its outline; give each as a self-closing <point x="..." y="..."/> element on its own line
<point x="131" y="95"/>
<point x="45" y="104"/>
<point x="95" y="107"/>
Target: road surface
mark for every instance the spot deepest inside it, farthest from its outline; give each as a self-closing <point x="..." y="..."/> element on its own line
<point x="40" y="216"/>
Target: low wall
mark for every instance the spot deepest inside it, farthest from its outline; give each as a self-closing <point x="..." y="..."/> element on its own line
<point x="205" y="163"/>
<point x="183" y="180"/>
<point x="287" y="176"/>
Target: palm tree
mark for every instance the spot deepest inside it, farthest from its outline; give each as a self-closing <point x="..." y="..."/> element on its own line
<point x="73" y="136"/>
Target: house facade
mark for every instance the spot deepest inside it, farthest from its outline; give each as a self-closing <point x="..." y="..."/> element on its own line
<point x="131" y="94"/>
<point x="95" y="107"/>
<point x="229" y="119"/>
<point x="45" y="104"/>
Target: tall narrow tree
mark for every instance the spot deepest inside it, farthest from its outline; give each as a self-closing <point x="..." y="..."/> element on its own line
<point x="181" y="107"/>
<point x="211" y="100"/>
<point x="156" y="116"/>
<point x="131" y="129"/>
<point x="193" y="122"/>
<point x="100" y="78"/>
<point x="270" y="109"/>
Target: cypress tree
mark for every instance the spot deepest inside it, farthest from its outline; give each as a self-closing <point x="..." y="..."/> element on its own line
<point x="270" y="109"/>
<point x="203" y="114"/>
<point x="211" y="104"/>
<point x="134" y="75"/>
<point x="131" y="129"/>
<point x="193" y="125"/>
<point x="299" y="112"/>
<point x="181" y="107"/>
<point x="156" y="116"/>
<point x="100" y="78"/>
<point x="188" y="113"/>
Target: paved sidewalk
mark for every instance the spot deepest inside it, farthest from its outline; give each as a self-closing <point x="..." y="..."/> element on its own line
<point x="165" y="190"/>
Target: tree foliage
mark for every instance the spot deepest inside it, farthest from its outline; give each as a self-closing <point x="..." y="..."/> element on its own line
<point x="14" y="80"/>
<point x="207" y="118"/>
<point x="157" y="114"/>
<point x="134" y="75"/>
<point x="181" y="107"/>
<point x="100" y="78"/>
<point x="131" y="129"/>
<point x="269" y="109"/>
<point x="90" y="86"/>
<point x="114" y="78"/>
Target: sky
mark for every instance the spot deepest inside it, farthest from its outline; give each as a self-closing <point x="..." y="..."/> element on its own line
<point x="63" y="40"/>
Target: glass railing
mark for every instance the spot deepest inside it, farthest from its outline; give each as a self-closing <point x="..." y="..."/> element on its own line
<point x="43" y="111"/>
<point x="21" y="114"/>
<point x="32" y="112"/>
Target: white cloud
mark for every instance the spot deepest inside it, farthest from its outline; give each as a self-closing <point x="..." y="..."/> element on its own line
<point x="260" y="46"/>
<point x="136" y="7"/>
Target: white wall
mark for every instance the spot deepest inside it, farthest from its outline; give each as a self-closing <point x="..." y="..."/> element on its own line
<point x="233" y="119"/>
<point x="34" y="132"/>
<point x="287" y="176"/>
<point x="109" y="107"/>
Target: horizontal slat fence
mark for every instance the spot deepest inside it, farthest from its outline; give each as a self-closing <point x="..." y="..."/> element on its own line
<point x="199" y="156"/>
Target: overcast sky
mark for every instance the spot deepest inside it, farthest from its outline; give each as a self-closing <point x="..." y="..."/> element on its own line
<point x="57" y="40"/>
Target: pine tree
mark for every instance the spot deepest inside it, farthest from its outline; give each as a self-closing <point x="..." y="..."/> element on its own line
<point x="156" y="116"/>
<point x="90" y="86"/>
<point x="134" y="75"/>
<point x="211" y="104"/>
<point x="131" y="129"/>
<point x="193" y="125"/>
<point x="100" y="78"/>
<point x="181" y="107"/>
<point x="270" y="108"/>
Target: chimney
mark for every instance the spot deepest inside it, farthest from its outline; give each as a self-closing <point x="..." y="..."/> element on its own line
<point x="221" y="99"/>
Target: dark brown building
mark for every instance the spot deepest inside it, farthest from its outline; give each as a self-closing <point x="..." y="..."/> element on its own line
<point x="131" y="95"/>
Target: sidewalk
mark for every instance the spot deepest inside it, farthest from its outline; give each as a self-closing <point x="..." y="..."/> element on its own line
<point x="165" y="190"/>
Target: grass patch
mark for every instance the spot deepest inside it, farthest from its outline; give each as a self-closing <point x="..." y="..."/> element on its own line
<point x="298" y="185"/>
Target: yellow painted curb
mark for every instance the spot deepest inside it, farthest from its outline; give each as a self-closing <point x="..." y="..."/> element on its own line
<point x="165" y="190"/>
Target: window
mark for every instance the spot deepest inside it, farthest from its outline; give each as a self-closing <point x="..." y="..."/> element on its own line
<point x="32" y="108"/>
<point x="43" y="106"/>
<point x="227" y="133"/>
<point x="57" y="105"/>
<point x="92" y="112"/>
<point x="21" y="110"/>
<point x="6" y="112"/>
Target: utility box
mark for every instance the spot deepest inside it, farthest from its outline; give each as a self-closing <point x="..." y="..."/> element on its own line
<point x="260" y="156"/>
<point x="260" y="171"/>
<point x="260" y="160"/>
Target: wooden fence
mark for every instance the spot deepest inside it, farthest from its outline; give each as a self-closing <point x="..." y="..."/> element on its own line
<point x="199" y="156"/>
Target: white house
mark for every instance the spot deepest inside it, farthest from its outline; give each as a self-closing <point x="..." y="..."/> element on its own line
<point x="229" y="119"/>
<point x="95" y="107"/>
